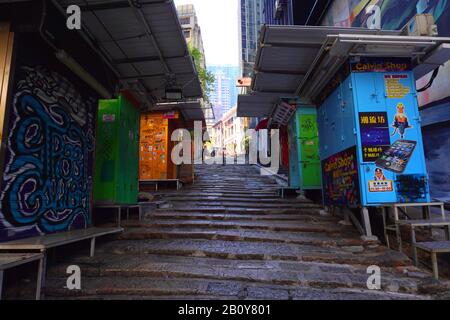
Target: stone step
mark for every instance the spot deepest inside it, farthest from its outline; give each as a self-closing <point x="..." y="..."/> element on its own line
<point x="294" y="226"/>
<point x="340" y="240"/>
<point x="256" y="250"/>
<point x="241" y="206"/>
<point x="241" y="211"/>
<point x="222" y="195"/>
<point x="219" y="199"/>
<point x="298" y="216"/>
<point x="232" y="189"/>
<point x="274" y="273"/>
<point x="138" y="286"/>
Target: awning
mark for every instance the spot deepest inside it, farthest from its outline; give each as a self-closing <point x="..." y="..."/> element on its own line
<point x="144" y="44"/>
<point x="262" y="124"/>
<point x="256" y="105"/>
<point x="301" y="60"/>
<point x="191" y="110"/>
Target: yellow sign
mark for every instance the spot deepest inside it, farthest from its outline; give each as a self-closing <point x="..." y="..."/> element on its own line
<point x="394" y="88"/>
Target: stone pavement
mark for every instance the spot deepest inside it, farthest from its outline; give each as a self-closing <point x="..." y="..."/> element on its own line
<point x="229" y="236"/>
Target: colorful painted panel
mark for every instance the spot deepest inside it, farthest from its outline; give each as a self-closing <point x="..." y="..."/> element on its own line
<point x="340" y="179"/>
<point x="47" y="181"/>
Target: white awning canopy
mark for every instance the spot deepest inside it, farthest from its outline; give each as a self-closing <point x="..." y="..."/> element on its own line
<point x="301" y="60"/>
<point x="191" y="110"/>
<point x="143" y="43"/>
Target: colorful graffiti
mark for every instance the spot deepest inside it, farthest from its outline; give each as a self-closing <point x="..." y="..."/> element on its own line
<point x="47" y="181"/>
<point x="340" y="179"/>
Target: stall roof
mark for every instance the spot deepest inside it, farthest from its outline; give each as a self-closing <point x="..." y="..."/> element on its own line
<point x="144" y="44"/>
<point x="191" y="110"/>
<point x="256" y="105"/>
<point x="301" y="60"/>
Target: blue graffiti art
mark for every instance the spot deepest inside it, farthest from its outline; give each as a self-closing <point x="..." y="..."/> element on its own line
<point x="47" y="182"/>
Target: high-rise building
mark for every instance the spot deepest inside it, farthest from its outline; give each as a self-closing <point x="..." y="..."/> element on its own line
<point x="251" y="17"/>
<point x="191" y="30"/>
<point x="278" y="12"/>
<point x="224" y="95"/>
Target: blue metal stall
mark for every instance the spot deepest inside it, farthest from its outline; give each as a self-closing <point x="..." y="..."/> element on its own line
<point x="371" y="141"/>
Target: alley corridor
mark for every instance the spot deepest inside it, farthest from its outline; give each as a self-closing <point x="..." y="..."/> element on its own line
<point x="230" y="236"/>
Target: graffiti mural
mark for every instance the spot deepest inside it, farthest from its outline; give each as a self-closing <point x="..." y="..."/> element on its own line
<point x="47" y="181"/>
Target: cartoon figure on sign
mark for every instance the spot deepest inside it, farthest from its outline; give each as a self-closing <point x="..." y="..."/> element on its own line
<point x="379" y="175"/>
<point x="401" y="122"/>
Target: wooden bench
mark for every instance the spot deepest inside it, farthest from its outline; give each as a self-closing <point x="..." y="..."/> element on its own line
<point x="432" y="223"/>
<point x="434" y="247"/>
<point x="48" y="241"/>
<point x="118" y="209"/>
<point x="282" y="191"/>
<point x="156" y="182"/>
<point x="397" y="221"/>
<point x="11" y="260"/>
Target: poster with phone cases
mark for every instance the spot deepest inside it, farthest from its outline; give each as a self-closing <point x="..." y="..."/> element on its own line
<point x="396" y="158"/>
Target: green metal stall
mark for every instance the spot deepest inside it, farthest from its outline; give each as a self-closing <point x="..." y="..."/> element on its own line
<point x="117" y="152"/>
<point x="304" y="160"/>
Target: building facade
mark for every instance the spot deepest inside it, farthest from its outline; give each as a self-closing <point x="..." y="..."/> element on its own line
<point x="251" y="17"/>
<point x="278" y="12"/>
<point x="228" y="134"/>
<point x="191" y="29"/>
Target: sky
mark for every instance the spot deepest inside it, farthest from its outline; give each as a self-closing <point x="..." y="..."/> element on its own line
<point x="218" y="20"/>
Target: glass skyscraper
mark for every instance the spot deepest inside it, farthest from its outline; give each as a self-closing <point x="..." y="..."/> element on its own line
<point x="251" y="18"/>
<point x="224" y="95"/>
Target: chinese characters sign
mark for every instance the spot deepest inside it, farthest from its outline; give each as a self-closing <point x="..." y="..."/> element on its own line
<point x="374" y="134"/>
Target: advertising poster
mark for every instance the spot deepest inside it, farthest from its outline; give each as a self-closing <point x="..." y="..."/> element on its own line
<point x="395" y="89"/>
<point x="340" y="179"/>
<point x="380" y="183"/>
<point x="375" y="137"/>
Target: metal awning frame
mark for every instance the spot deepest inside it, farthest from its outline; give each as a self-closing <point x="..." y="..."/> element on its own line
<point x="334" y="49"/>
<point x="183" y="107"/>
<point x="145" y="93"/>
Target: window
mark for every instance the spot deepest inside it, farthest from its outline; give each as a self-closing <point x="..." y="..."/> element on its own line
<point x="187" y="33"/>
<point x="185" y="20"/>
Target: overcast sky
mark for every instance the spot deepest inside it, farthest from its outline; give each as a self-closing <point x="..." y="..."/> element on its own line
<point x="218" y="20"/>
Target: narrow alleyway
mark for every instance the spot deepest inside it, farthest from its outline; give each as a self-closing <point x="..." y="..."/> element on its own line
<point x="230" y="236"/>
